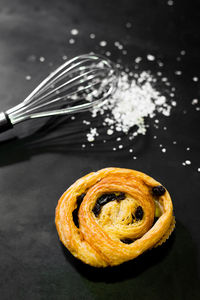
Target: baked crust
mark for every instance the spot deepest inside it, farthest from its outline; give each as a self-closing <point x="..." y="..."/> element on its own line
<point x="99" y="239"/>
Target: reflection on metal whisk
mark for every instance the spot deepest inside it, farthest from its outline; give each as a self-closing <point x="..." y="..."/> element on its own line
<point x="75" y="86"/>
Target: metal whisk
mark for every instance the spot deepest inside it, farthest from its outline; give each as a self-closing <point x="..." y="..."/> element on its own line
<point x="76" y="86"/>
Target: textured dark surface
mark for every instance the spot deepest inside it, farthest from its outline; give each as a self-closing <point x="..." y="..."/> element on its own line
<point x="33" y="263"/>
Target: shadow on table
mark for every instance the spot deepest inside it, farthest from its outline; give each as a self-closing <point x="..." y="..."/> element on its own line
<point x="61" y="135"/>
<point x="178" y="248"/>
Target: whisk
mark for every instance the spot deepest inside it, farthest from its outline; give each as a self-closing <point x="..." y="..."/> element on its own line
<point x="76" y="86"/>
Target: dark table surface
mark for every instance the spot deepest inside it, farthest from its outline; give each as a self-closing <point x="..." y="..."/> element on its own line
<point x="33" y="174"/>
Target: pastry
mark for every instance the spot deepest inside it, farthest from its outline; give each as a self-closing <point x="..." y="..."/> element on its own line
<point x="111" y="216"/>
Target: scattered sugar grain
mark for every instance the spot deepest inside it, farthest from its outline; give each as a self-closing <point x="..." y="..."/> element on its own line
<point x="74" y="31"/>
<point x="194" y="101"/>
<point x="164" y="150"/>
<point x="92" y="36"/>
<point x="138" y="59"/>
<point x="103" y="43"/>
<point x="128" y="25"/>
<point x="170" y="2"/>
<point x="198" y="169"/>
<point x="71" y="41"/>
<point x="109" y="131"/>
<point x="178" y="73"/>
<point x="108" y="53"/>
<point x="41" y="59"/>
<point x="188" y="162"/>
<point x="160" y="64"/>
<point x="183" y="52"/>
<point x="195" y="78"/>
<point x="120" y="146"/>
<point x="28" y="77"/>
<point x="150" y="57"/>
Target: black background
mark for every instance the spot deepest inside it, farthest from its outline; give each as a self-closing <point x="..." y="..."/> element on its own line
<point x="35" y="170"/>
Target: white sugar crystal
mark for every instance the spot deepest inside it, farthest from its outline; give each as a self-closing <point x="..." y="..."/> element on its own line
<point x="103" y="43"/>
<point x="195" y="101"/>
<point x="28" y="77"/>
<point x="108" y="53"/>
<point x="174" y="103"/>
<point x="74" y="31"/>
<point x="198" y="169"/>
<point x="170" y="2"/>
<point x="92" y="36"/>
<point x="164" y="150"/>
<point x="150" y="57"/>
<point x="195" y="79"/>
<point x="183" y="52"/>
<point x="71" y="41"/>
<point x="42" y="59"/>
<point x="109" y="131"/>
<point x="188" y="162"/>
<point x="128" y="25"/>
<point x="178" y="72"/>
<point x="138" y="59"/>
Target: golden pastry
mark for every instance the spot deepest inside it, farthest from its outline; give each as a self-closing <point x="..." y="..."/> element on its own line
<point x="111" y="216"/>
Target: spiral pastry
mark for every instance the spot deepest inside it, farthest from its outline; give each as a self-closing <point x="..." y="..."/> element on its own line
<point x="114" y="215"/>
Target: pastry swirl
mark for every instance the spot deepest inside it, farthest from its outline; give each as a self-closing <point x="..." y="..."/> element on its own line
<point x="120" y="214"/>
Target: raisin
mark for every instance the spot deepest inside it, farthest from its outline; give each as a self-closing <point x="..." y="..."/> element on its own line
<point x="155" y="220"/>
<point x="121" y="196"/>
<point x="80" y="199"/>
<point x="96" y="209"/>
<point x="105" y="198"/>
<point x="158" y="190"/>
<point x="139" y="213"/>
<point x="126" y="241"/>
<point x="75" y="217"/>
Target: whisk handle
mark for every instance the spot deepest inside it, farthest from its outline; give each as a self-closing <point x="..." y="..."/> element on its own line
<point x="5" y="122"/>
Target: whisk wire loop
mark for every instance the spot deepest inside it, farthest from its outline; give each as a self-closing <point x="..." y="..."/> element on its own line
<point x="75" y="86"/>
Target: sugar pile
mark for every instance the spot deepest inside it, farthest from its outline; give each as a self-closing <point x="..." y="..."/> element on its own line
<point x="133" y="101"/>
